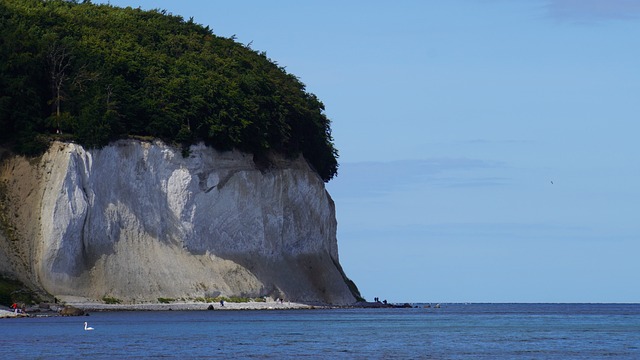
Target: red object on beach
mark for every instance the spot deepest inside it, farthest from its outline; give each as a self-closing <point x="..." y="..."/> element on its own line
<point x="14" y="306"/>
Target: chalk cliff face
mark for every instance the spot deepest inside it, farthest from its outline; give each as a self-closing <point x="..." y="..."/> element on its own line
<point x="138" y="221"/>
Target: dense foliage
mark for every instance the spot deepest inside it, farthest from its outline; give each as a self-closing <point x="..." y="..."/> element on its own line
<point x="95" y="73"/>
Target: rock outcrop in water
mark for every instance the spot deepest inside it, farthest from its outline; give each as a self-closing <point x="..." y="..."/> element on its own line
<point x="138" y="221"/>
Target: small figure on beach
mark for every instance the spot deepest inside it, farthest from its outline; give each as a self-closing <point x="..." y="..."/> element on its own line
<point x="221" y="302"/>
<point x="14" y="306"/>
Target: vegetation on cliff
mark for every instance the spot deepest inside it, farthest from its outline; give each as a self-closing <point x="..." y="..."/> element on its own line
<point x="95" y="73"/>
<point x="13" y="291"/>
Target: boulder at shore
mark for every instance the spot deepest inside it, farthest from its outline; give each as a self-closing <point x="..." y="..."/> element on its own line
<point x="71" y="311"/>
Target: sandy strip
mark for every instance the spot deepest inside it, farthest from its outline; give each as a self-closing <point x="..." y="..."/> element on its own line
<point x="269" y="305"/>
<point x="94" y="306"/>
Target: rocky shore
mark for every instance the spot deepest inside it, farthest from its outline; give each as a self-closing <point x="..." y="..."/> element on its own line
<point x="80" y="307"/>
<point x="11" y="314"/>
<point x="86" y="307"/>
<point x="43" y="309"/>
<point x="180" y="306"/>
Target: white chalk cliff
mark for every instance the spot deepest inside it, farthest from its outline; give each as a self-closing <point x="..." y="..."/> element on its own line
<point x="138" y="221"/>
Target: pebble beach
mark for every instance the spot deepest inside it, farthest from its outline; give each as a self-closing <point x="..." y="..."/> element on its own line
<point x="94" y="306"/>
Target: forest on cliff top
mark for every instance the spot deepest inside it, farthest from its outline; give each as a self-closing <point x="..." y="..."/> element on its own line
<point x="89" y="73"/>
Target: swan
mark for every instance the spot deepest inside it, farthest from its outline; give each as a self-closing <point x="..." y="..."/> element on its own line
<point x="87" y="327"/>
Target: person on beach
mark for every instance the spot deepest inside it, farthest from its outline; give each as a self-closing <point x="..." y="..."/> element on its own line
<point x="14" y="306"/>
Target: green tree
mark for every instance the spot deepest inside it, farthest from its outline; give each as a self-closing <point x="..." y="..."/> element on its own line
<point x="99" y="73"/>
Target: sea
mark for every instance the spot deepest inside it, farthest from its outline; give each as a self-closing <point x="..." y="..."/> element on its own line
<point x="451" y="331"/>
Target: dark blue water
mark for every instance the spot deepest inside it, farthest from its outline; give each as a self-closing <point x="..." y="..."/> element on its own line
<point x="455" y="331"/>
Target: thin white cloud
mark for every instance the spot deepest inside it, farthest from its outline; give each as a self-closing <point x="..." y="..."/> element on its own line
<point x="509" y="232"/>
<point x="589" y="11"/>
<point x="379" y="178"/>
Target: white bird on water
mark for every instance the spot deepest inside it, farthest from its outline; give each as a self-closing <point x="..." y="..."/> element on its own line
<point x="87" y="327"/>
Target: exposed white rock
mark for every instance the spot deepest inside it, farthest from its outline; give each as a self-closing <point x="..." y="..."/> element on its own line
<point x="138" y="221"/>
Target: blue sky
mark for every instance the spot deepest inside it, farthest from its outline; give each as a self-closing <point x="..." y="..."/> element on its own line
<point x="488" y="148"/>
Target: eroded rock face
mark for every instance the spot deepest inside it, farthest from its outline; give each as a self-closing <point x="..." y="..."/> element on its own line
<point x="138" y="221"/>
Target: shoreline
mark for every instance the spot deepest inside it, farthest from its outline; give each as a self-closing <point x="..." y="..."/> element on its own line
<point x="251" y="305"/>
<point x="84" y="307"/>
<point x="193" y="306"/>
<point x="5" y="314"/>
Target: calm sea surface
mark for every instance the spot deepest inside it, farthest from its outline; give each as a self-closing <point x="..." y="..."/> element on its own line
<point x="454" y="331"/>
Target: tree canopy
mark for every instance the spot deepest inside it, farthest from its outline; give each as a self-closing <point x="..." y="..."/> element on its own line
<point x="96" y="73"/>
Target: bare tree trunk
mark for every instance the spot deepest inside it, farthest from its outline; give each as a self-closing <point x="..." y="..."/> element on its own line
<point x="59" y="62"/>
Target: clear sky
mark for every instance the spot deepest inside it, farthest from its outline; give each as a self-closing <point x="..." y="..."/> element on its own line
<point x="488" y="148"/>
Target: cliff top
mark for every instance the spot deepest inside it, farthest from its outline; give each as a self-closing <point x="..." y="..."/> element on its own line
<point x="96" y="73"/>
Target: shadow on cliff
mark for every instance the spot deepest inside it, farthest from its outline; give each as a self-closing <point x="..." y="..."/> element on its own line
<point x="311" y="278"/>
